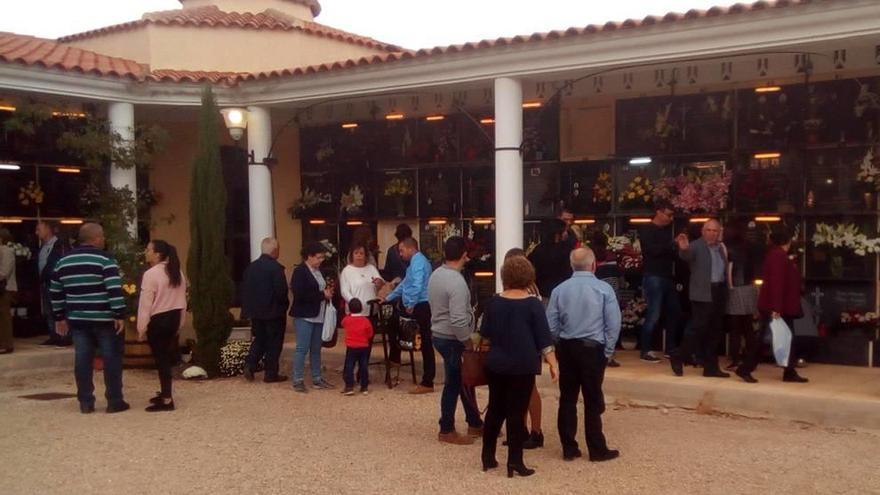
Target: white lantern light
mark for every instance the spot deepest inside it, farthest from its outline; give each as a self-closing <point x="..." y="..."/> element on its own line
<point x="236" y="121"/>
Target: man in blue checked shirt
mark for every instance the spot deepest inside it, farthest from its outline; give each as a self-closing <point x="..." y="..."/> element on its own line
<point x="88" y="302"/>
<point x="413" y="293"/>
<point x="584" y="319"/>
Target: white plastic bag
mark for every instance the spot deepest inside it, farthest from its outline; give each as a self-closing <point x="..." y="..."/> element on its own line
<point x="329" y="323"/>
<point x="781" y="341"/>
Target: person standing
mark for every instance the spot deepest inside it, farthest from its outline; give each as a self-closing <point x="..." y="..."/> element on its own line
<point x="51" y="250"/>
<point x="264" y="302"/>
<point x="394" y="272"/>
<point x="742" y="294"/>
<point x="359" y="279"/>
<point x="413" y="293"/>
<point x="658" y="285"/>
<point x="550" y="257"/>
<point x="707" y="289"/>
<point x="311" y="294"/>
<point x="8" y="291"/>
<point x="516" y="326"/>
<point x="569" y="238"/>
<point x="584" y="318"/>
<point x="452" y="322"/>
<point x="358" y="343"/>
<point x="779" y="297"/>
<point x="88" y="302"/>
<point x="161" y="309"/>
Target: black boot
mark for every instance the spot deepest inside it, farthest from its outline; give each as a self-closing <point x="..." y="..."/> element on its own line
<point x="535" y="440"/>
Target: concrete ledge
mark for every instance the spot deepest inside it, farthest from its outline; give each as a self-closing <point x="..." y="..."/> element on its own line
<point x="29" y="357"/>
<point x="838" y="396"/>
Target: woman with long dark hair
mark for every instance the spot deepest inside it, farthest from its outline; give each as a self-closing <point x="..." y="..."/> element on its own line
<point x="160" y="314"/>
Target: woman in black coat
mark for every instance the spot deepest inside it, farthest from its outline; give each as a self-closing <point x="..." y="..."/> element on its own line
<point x="311" y="294"/>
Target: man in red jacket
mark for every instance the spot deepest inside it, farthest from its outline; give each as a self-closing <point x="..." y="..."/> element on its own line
<point x="780" y="297"/>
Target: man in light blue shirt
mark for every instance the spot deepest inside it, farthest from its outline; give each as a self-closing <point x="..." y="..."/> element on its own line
<point x="413" y="292"/>
<point x="584" y="319"/>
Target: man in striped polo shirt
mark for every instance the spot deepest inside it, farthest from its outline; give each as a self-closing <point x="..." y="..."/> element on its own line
<point x="87" y="301"/>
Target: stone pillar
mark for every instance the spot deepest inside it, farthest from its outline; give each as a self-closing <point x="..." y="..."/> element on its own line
<point x="121" y="117"/>
<point x="262" y="217"/>
<point x="508" y="170"/>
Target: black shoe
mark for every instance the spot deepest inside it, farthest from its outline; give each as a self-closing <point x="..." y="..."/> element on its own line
<point x="794" y="378"/>
<point x="607" y="456"/>
<point x="572" y="454"/>
<point x="50" y="341"/>
<point x="648" y="358"/>
<point x="275" y="379"/>
<point x="521" y="470"/>
<point x="162" y="406"/>
<point x="87" y="408"/>
<point x="534" y="441"/>
<point x="157" y="399"/>
<point x="120" y="407"/>
<point x="732" y="366"/>
<point x="747" y="377"/>
<point x="612" y="363"/>
<point x="676" y="365"/>
<point x="64" y="342"/>
<point x="716" y="374"/>
<point x="248" y="374"/>
<point x="489" y="465"/>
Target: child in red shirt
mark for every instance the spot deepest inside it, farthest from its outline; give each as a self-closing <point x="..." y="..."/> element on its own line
<point x="358" y="340"/>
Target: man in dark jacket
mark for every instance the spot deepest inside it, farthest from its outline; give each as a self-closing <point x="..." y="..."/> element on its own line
<point x="264" y="302"/>
<point x="51" y="250"/>
<point x="658" y="283"/>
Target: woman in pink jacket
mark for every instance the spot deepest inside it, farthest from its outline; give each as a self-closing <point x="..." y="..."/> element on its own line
<point x="160" y="314"/>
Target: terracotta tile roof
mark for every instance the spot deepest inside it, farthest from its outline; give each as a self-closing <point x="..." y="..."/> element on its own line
<point x="195" y="76"/>
<point x="32" y="51"/>
<point x="211" y="16"/>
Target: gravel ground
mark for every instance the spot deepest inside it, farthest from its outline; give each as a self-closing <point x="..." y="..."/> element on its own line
<point x="230" y="436"/>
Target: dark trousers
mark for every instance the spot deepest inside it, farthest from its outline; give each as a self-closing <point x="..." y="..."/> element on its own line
<point x="162" y="337"/>
<point x="46" y="307"/>
<point x="508" y="402"/>
<point x="451" y="351"/>
<point x="741" y="331"/>
<point x="393" y="329"/>
<point x="361" y="357"/>
<point x="662" y="300"/>
<point x="86" y="337"/>
<point x="422" y="314"/>
<point x="267" y="344"/>
<point x="708" y="327"/>
<point x="750" y="359"/>
<point x="581" y="370"/>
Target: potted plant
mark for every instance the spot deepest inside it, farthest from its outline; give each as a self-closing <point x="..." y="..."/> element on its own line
<point x="399" y="188"/>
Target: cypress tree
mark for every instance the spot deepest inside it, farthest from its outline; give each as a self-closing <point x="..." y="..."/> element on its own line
<point x="211" y="287"/>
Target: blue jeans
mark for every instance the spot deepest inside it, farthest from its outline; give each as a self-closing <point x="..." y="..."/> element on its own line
<point x="308" y="341"/>
<point x="661" y="298"/>
<point x="86" y="337"/>
<point x="451" y="351"/>
<point x="361" y="357"/>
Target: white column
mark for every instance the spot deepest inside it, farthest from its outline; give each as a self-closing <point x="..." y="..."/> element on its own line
<point x="508" y="170"/>
<point x="262" y="218"/>
<point x="121" y="117"/>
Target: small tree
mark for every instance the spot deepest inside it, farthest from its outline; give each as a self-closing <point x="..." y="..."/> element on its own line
<point x="208" y="268"/>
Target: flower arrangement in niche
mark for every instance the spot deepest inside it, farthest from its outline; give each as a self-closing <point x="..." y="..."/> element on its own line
<point x="858" y="318"/>
<point x="325" y="151"/>
<point x="845" y="236"/>
<point x="330" y="247"/>
<point x="353" y="200"/>
<point x="638" y="193"/>
<point x="309" y="199"/>
<point x="633" y="314"/>
<point x="31" y="194"/>
<point x="602" y="188"/>
<point x="869" y="173"/>
<point x="398" y="187"/>
<point x="20" y="251"/>
<point x="694" y="193"/>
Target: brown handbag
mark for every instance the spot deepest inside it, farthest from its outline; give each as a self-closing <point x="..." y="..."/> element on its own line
<point x="473" y="371"/>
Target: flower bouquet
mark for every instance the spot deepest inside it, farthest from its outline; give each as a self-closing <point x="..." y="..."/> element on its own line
<point x="632" y="316"/>
<point x="309" y="199"/>
<point x="638" y="193"/>
<point x="845" y="236"/>
<point x="31" y="194"/>
<point x="869" y="173"/>
<point x="602" y="188"/>
<point x="21" y="251"/>
<point x="629" y="254"/>
<point x="352" y="201"/>
<point x="694" y="193"/>
<point x="398" y="188"/>
<point x="858" y="318"/>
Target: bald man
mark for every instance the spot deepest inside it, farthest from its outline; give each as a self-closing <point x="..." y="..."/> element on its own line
<point x="707" y="258"/>
<point x="584" y="318"/>
<point x="264" y="301"/>
<point x="87" y="301"/>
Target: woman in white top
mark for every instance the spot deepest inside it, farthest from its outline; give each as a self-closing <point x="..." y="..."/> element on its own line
<point x="359" y="279"/>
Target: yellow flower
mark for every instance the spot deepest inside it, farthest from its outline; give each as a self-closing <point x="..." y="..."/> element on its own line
<point x="647" y="198"/>
<point x="638" y="179"/>
<point x="640" y="191"/>
<point x="631" y="196"/>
